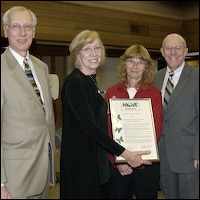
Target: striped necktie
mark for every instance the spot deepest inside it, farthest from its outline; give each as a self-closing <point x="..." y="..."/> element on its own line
<point x="168" y="89"/>
<point x="30" y="77"/>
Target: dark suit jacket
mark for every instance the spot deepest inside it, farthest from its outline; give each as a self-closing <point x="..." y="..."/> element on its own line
<point x="181" y="120"/>
<point x="85" y="141"/>
<point x="25" y="129"/>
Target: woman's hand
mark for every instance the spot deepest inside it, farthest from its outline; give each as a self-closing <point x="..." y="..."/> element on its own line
<point x="134" y="159"/>
<point x="124" y="169"/>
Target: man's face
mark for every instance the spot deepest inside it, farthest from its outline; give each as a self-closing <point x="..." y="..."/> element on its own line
<point x="174" y="51"/>
<point x="20" y="32"/>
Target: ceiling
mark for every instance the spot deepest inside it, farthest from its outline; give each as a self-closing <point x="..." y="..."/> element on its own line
<point x="182" y="10"/>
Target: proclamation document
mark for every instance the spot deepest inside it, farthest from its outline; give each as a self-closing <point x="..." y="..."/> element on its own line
<point x="133" y="126"/>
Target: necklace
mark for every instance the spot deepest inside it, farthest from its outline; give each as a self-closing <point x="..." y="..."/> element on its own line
<point x="94" y="81"/>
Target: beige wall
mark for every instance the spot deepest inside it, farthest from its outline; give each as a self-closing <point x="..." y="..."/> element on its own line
<point x="58" y="21"/>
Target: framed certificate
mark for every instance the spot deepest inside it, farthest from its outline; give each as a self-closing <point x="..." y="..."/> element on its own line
<point x="133" y="126"/>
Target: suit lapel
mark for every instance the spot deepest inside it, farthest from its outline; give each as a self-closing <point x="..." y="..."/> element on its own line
<point x="185" y="76"/>
<point x="20" y="77"/>
<point x="41" y="77"/>
<point x="159" y="79"/>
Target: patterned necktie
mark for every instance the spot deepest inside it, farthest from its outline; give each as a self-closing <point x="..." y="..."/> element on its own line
<point x="30" y="77"/>
<point x="168" y="89"/>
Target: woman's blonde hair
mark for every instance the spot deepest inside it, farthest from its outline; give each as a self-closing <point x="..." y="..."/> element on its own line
<point x="139" y="52"/>
<point x="82" y="39"/>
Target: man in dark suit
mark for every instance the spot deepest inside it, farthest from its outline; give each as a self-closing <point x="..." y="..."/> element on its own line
<point x="27" y="124"/>
<point x="179" y="143"/>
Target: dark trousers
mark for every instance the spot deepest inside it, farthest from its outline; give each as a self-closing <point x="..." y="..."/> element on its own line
<point x="144" y="183"/>
<point x="105" y="190"/>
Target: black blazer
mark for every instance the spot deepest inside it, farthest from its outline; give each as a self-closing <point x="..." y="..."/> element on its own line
<point x="85" y="141"/>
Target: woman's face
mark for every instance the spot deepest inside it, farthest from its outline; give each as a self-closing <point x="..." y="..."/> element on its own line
<point x="89" y="57"/>
<point x="135" y="68"/>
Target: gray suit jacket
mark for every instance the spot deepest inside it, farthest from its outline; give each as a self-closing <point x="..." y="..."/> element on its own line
<point x="181" y="120"/>
<point x="26" y="130"/>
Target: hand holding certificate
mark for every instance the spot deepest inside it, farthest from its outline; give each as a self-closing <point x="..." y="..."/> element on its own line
<point x="133" y="127"/>
<point x="134" y="158"/>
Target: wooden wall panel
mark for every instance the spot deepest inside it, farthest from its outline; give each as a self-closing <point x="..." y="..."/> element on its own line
<point x="58" y="21"/>
<point x="191" y="32"/>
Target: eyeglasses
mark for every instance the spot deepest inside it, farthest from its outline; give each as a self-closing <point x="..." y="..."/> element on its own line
<point x="139" y="63"/>
<point x="17" y="27"/>
<point x="89" y="50"/>
<point x="176" y="48"/>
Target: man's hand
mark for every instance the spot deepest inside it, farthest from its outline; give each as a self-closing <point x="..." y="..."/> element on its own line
<point x="196" y="164"/>
<point x="5" y="194"/>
